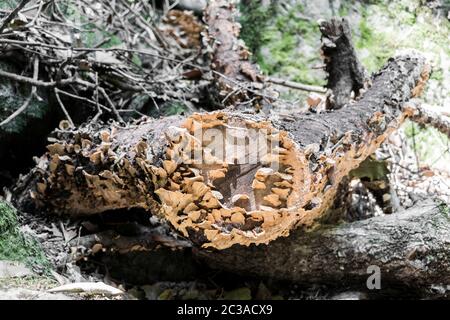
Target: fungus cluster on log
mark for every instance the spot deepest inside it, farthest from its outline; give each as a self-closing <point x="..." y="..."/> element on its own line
<point x="236" y="195"/>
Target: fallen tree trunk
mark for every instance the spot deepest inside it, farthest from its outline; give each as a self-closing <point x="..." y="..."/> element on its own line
<point x="224" y="178"/>
<point x="410" y="248"/>
<point x="428" y="117"/>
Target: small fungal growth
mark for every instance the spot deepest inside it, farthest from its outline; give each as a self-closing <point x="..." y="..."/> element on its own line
<point x="101" y="167"/>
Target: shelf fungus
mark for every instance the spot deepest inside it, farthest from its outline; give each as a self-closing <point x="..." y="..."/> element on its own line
<point x="219" y="158"/>
<point x="225" y="178"/>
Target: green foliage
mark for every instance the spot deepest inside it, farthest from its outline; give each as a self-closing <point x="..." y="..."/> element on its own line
<point x="254" y="19"/>
<point x="8" y="4"/>
<point x="371" y="169"/>
<point x="429" y="144"/>
<point x="167" y="294"/>
<point x="16" y="246"/>
<point x="377" y="45"/>
<point x="136" y="60"/>
<point x="274" y="38"/>
<point x="387" y="26"/>
<point x="344" y="9"/>
<point x="174" y="108"/>
<point x="444" y="209"/>
<point x="32" y="282"/>
<point x="91" y="34"/>
<point x="8" y="219"/>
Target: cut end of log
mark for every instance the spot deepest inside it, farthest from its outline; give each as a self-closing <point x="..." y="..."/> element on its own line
<point x="242" y="188"/>
<point x="251" y="182"/>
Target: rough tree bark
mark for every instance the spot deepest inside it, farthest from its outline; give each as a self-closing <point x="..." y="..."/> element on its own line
<point x="429" y="117"/>
<point x="237" y="79"/>
<point x="221" y="201"/>
<point x="410" y="248"/>
<point x="345" y="73"/>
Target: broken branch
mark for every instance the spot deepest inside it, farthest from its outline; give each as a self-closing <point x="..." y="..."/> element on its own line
<point x="345" y="73"/>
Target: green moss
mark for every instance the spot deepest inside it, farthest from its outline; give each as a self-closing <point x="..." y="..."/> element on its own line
<point x="254" y="20"/>
<point x="16" y="246"/>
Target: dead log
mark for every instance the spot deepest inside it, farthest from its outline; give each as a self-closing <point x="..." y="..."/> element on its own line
<point x="345" y="73"/>
<point x="410" y="248"/>
<point x="237" y="79"/>
<point x="224" y="178"/>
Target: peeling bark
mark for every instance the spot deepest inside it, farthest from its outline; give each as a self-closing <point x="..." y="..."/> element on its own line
<point x="220" y="201"/>
<point x="345" y="73"/>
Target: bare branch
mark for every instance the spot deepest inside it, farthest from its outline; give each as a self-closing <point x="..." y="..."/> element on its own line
<point x="63" y="108"/>
<point x="30" y="97"/>
<point x="296" y="85"/>
<point x="12" y="15"/>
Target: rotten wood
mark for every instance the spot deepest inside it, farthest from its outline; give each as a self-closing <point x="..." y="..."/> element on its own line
<point x="345" y="73"/>
<point x="221" y="201"/>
